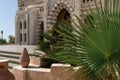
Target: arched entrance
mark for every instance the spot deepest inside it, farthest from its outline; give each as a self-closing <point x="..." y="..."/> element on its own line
<point x="63" y="16"/>
<point x="61" y="11"/>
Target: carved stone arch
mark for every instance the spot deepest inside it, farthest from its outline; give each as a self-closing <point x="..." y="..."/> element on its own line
<point x="52" y="17"/>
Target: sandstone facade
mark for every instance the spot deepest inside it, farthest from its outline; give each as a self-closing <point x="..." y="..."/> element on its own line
<point x="36" y="16"/>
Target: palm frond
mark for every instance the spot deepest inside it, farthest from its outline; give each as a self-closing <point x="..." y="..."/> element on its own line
<point x="96" y="45"/>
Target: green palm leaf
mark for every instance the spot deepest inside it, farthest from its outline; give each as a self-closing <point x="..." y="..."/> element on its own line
<point x="94" y="46"/>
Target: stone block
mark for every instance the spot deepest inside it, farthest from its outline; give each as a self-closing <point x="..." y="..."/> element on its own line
<point x="20" y="73"/>
<point x="56" y="72"/>
<point x="35" y="61"/>
<point x="38" y="74"/>
<point x="61" y="71"/>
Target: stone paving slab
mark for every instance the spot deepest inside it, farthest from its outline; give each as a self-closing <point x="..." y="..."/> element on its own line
<point x="18" y="48"/>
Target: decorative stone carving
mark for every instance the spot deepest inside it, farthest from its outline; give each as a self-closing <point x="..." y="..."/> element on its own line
<point x="24" y="58"/>
<point x="5" y="74"/>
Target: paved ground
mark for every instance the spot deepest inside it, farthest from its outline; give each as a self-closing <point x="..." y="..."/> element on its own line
<point x="17" y="48"/>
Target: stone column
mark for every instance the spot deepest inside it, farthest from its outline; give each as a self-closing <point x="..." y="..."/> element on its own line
<point x="27" y="27"/>
<point x="17" y="29"/>
<point x="22" y="32"/>
<point x="32" y="16"/>
<point x="45" y="16"/>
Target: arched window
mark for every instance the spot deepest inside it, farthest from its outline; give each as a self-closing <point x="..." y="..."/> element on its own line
<point x="20" y="25"/>
<point x="86" y="1"/>
<point x="25" y="37"/>
<point x="21" y="37"/>
<point x="25" y="25"/>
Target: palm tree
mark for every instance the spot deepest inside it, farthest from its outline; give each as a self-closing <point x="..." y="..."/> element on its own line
<point x="2" y="34"/>
<point x="94" y="46"/>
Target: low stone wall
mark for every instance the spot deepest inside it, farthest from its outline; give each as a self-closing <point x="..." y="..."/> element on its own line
<point x="56" y="72"/>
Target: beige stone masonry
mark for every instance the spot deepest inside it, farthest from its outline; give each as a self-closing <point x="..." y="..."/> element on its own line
<point x="20" y="73"/>
<point x="56" y="72"/>
<point x="61" y="71"/>
<point x="31" y="13"/>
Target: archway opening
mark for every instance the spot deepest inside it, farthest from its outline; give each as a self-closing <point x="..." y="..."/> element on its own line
<point x="63" y="16"/>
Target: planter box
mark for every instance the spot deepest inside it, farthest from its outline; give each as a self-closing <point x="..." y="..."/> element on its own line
<point x="34" y="61"/>
<point x="41" y="62"/>
<point x="57" y="71"/>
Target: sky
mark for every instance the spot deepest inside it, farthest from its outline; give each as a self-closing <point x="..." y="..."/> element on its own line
<point x="8" y="10"/>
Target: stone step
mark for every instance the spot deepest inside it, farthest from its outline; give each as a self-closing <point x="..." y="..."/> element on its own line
<point x="9" y="55"/>
<point x="17" y="53"/>
<point x="13" y="53"/>
<point x="12" y="57"/>
<point x="12" y="60"/>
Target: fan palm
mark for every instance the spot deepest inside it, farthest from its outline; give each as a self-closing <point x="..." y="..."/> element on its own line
<point x="51" y="39"/>
<point x="94" y="45"/>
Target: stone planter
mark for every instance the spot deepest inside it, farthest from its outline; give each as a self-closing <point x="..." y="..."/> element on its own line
<point x="34" y="61"/>
<point x="5" y="74"/>
<point x="41" y="62"/>
<point x="37" y="62"/>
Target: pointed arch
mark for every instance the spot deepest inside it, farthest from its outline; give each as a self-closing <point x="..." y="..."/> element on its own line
<point x="52" y="17"/>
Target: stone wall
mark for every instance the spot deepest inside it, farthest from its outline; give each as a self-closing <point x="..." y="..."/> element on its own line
<point x="45" y="12"/>
<point x="56" y="72"/>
